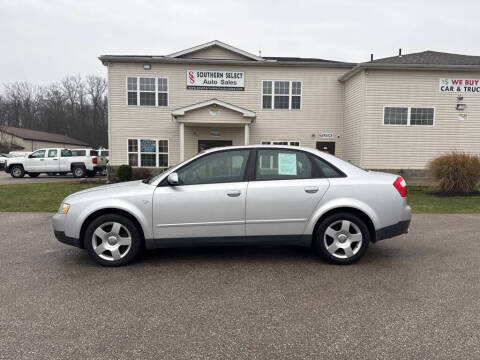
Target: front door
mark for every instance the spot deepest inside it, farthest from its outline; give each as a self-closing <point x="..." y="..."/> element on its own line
<point x="326" y="146"/>
<point x="284" y="193"/>
<point x="35" y="161"/>
<point x="207" y="203"/>
<point x="208" y="144"/>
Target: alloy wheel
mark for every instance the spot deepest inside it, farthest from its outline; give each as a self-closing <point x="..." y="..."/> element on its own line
<point x="343" y="239"/>
<point x="111" y="241"/>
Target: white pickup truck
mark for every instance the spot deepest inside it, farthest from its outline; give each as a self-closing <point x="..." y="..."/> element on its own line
<point x="53" y="161"/>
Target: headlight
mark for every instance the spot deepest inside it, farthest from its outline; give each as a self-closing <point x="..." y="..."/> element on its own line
<point x="64" y="208"/>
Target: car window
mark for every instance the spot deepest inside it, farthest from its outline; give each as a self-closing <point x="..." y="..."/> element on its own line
<point x="282" y="164"/>
<point x="52" y="153"/>
<point x="66" y="153"/>
<point x="219" y="167"/>
<point x="326" y="169"/>
<point x="93" y="153"/>
<point x="38" y="154"/>
<point x="104" y="153"/>
<point x="78" y="153"/>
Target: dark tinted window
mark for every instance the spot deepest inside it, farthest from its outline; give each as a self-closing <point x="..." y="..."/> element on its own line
<point x="93" y="153"/>
<point x="282" y="164"/>
<point x="326" y="169"/>
<point x="78" y="153"/>
<point x="220" y="167"/>
<point x="38" y="154"/>
<point x="66" y="153"/>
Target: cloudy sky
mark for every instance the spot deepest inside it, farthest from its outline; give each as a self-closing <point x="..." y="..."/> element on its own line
<point x="44" y="40"/>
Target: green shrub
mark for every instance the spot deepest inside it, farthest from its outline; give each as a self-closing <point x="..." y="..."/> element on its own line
<point x="456" y="172"/>
<point x="124" y="173"/>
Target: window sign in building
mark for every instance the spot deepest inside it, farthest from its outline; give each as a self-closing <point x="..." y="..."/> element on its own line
<point x="215" y="80"/>
<point x="449" y="85"/>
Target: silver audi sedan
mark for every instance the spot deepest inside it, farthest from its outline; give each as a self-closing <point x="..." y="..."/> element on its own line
<point x="253" y="195"/>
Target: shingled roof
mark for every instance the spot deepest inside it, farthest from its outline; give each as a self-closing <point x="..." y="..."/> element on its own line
<point x="431" y="58"/>
<point x="41" y="136"/>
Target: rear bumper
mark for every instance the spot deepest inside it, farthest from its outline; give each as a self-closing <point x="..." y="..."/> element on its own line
<point x="393" y="230"/>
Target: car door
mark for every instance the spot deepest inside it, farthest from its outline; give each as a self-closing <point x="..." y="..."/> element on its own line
<point x="286" y="188"/>
<point x="35" y="161"/>
<point x="65" y="160"/>
<point x="52" y="162"/>
<point x="209" y="201"/>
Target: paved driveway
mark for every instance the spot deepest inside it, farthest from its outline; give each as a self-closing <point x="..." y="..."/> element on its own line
<point x="415" y="297"/>
<point x="6" y="179"/>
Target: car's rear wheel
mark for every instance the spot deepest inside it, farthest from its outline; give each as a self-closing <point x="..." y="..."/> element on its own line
<point x="342" y="238"/>
<point x="112" y="240"/>
<point x="17" y="171"/>
<point x="79" y="171"/>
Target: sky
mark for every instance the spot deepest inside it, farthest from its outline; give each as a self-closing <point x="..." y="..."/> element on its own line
<point x="44" y="40"/>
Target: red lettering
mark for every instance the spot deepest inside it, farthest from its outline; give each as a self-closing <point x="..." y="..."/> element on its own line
<point x="456" y="82"/>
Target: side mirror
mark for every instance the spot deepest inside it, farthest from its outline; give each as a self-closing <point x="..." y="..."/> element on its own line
<point x="173" y="179"/>
<point x="30" y="156"/>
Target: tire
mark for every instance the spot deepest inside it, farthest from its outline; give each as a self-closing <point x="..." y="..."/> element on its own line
<point x="102" y="240"/>
<point x="33" y="175"/>
<point x="79" y="171"/>
<point x="342" y="238"/>
<point x="17" y="171"/>
<point x="51" y="173"/>
<point x="62" y="173"/>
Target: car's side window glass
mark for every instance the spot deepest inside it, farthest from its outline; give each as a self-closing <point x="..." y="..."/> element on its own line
<point x="66" y="153"/>
<point x="93" y="153"/>
<point x="219" y="167"/>
<point x="282" y="164"/>
<point x="78" y="153"/>
<point x="52" y="153"/>
<point x="38" y="154"/>
<point x="326" y="169"/>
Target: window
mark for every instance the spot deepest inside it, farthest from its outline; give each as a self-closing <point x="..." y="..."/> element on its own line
<point x="147" y="91"/>
<point x="281" y="164"/>
<point x="408" y="116"/>
<point x="104" y="153"/>
<point x="52" y="153"/>
<point x="37" y="154"/>
<point x="148" y="153"/>
<point x="219" y="167"/>
<point x="66" y="153"/>
<point x="326" y="169"/>
<point x="79" y="153"/>
<point x="281" y="94"/>
<point x="93" y="153"/>
<point x="291" y="143"/>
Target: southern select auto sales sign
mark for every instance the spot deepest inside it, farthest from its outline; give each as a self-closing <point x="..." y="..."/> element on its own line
<point x="215" y="80"/>
<point x="446" y="85"/>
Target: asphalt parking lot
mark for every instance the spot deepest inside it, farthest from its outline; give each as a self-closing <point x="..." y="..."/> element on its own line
<point x="6" y="179"/>
<point x="415" y="297"/>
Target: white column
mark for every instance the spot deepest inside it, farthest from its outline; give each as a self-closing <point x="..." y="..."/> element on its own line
<point x="182" y="141"/>
<point x="247" y="134"/>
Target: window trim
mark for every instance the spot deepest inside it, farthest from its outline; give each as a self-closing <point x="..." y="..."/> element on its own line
<point x="272" y="95"/>
<point x="287" y="141"/>
<point x="156" y="91"/>
<point x="157" y="153"/>
<point x="409" y="115"/>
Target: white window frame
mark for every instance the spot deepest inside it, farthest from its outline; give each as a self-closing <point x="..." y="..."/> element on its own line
<point x="156" y="91"/>
<point x="409" y="115"/>
<point x="272" y="95"/>
<point x="272" y="142"/>
<point x="157" y="152"/>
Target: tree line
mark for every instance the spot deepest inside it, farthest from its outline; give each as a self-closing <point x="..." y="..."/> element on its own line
<point x="75" y="107"/>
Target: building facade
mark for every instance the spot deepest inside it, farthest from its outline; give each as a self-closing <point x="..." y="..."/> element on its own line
<point x="393" y="113"/>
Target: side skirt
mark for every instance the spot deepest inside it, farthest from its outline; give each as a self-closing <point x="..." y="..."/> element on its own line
<point x="298" y="240"/>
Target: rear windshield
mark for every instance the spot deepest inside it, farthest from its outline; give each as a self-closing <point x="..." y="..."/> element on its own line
<point x="93" y="153"/>
<point x="78" y="153"/>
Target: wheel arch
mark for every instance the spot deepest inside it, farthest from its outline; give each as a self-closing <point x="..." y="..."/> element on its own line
<point x="106" y="211"/>
<point x="349" y="209"/>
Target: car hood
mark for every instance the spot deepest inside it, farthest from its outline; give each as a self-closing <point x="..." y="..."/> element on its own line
<point x="109" y="189"/>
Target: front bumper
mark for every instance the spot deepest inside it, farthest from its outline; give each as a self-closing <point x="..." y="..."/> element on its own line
<point x="393" y="230"/>
<point x="58" y="223"/>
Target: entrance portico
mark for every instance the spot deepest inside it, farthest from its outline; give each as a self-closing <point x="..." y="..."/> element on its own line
<point x="212" y="120"/>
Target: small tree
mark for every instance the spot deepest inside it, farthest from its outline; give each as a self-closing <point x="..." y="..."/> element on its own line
<point x="456" y="172"/>
<point x="124" y="173"/>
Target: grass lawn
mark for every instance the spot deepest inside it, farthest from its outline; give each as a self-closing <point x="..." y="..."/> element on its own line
<point x="45" y="197"/>
<point x="423" y="202"/>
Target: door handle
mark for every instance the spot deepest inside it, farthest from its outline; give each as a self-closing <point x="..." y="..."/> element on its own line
<point x="55" y="159"/>
<point x="233" y="193"/>
<point x="311" y="189"/>
<point x="42" y="159"/>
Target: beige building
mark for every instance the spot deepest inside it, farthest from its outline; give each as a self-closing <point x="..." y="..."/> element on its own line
<point x="26" y="140"/>
<point x="392" y="113"/>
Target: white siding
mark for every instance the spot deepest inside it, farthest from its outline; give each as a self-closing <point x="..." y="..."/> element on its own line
<point x="412" y="147"/>
<point x="354" y="114"/>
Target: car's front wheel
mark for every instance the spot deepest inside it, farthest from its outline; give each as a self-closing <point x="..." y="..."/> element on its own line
<point x="342" y="238"/>
<point x="112" y="240"/>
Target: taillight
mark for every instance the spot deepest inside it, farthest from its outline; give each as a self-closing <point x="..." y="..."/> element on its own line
<point x="94" y="160"/>
<point x="401" y="186"/>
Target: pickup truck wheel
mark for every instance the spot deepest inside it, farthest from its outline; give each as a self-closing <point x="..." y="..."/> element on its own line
<point x="341" y="239"/>
<point x="17" y="171"/>
<point x="112" y="240"/>
<point x="33" y="175"/>
<point x="51" y="173"/>
<point x="79" y="171"/>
